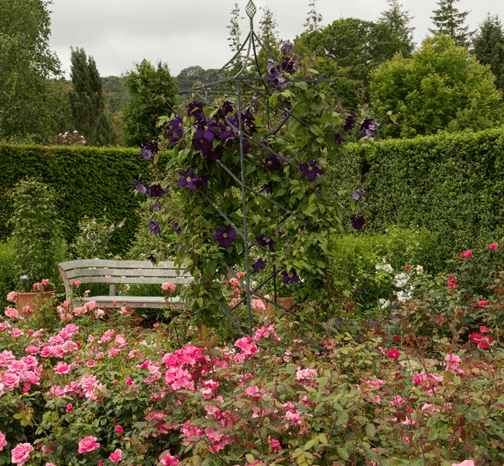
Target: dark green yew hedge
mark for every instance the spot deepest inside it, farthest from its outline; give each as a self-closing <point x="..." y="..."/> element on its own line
<point x="451" y="184"/>
<point x="91" y="181"/>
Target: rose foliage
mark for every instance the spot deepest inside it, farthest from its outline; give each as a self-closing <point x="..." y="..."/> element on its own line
<point x="95" y="388"/>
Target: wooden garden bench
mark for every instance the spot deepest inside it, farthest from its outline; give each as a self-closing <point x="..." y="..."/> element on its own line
<point x="116" y="272"/>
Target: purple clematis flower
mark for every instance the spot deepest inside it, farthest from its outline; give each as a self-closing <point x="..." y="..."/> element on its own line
<point x="349" y="123"/>
<point x="140" y="187"/>
<point x="357" y="221"/>
<point x="264" y="241"/>
<point x="225" y="236"/>
<point x="215" y="154"/>
<point x="154" y="227"/>
<point x="358" y="194"/>
<point x="287" y="46"/>
<point x="204" y="135"/>
<point x="156" y="190"/>
<point x="196" y="110"/>
<point x="310" y="170"/>
<point x="272" y="162"/>
<point x="155" y="206"/>
<point x="189" y="179"/>
<point x="152" y="257"/>
<point x="203" y="181"/>
<point x="338" y="139"/>
<point x="368" y="127"/>
<point x="225" y="109"/>
<point x="149" y="150"/>
<point x="291" y="277"/>
<point x="176" y="131"/>
<point x="228" y="130"/>
<point x="259" y="264"/>
<point x="176" y="228"/>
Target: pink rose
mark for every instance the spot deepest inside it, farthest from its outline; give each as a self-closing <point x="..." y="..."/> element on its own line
<point x="482" y="303"/>
<point x="168" y="287"/>
<point x="3" y="442"/>
<point x="493" y="246"/>
<point x="408" y="267"/>
<point x="45" y="281"/>
<point x="128" y="381"/>
<point x="21" y="454"/>
<point x="169" y="460"/>
<point x="116" y="455"/>
<point x="88" y="444"/>
<point x="69" y="408"/>
<point x="119" y="429"/>
<point x="12" y="296"/>
<point x="468" y="253"/>
<point x="464" y="463"/>
<point x="393" y="354"/>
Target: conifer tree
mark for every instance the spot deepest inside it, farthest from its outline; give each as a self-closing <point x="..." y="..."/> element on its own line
<point x="398" y="21"/>
<point x="87" y="100"/>
<point x="268" y="33"/>
<point x="488" y="46"/>
<point x="447" y="19"/>
<point x="314" y="18"/>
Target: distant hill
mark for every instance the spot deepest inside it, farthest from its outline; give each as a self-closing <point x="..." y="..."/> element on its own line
<point x="117" y="96"/>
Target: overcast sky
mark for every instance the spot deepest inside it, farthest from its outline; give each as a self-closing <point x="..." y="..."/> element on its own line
<point x="118" y="33"/>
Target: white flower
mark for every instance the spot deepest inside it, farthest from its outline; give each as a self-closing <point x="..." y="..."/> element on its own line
<point x="419" y="269"/>
<point x="401" y="279"/>
<point x="385" y="266"/>
<point x="384" y="303"/>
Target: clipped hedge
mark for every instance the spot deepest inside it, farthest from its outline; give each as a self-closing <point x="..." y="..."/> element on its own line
<point x="92" y="181"/>
<point x="450" y="184"/>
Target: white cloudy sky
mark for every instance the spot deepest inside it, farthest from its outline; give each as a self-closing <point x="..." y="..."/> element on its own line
<point x="117" y="33"/>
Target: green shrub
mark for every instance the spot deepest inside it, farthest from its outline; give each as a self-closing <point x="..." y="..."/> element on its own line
<point x="92" y="182"/>
<point x="8" y="276"/>
<point x="369" y="262"/>
<point x="450" y="184"/>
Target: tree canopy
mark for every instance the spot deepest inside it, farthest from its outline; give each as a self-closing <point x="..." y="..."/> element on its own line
<point x="449" y="20"/>
<point x="349" y="50"/>
<point x="488" y="46"/>
<point x="440" y="87"/>
<point x="152" y="90"/>
<point x="399" y="20"/>
<point x="26" y="64"/>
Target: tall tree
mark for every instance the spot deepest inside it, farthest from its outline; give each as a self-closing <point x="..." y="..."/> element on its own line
<point x="26" y="64"/>
<point x="440" y="87"/>
<point x="488" y="46"/>
<point x="314" y="18"/>
<point x="87" y="100"/>
<point x="152" y="90"/>
<point x="449" y="20"/>
<point x="355" y="45"/>
<point x="398" y="20"/>
<point x="268" y="30"/>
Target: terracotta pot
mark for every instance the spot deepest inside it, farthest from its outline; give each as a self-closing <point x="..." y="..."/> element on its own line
<point x="283" y="301"/>
<point x="33" y="299"/>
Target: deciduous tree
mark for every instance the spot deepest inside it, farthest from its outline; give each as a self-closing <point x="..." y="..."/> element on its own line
<point x="152" y="90"/>
<point x="440" y="87"/>
<point x="26" y="64"/>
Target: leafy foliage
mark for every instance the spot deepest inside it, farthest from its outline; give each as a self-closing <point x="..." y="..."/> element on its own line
<point x="26" y="64"/>
<point x="448" y="184"/>
<point x="91" y="181"/>
<point x="440" y="87"/>
<point x="37" y="231"/>
<point x="346" y="51"/>
<point x="313" y="19"/>
<point x="399" y="20"/>
<point x="152" y="92"/>
<point x="488" y="46"/>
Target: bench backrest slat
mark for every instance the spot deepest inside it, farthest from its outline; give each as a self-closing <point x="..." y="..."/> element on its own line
<point x="162" y="273"/>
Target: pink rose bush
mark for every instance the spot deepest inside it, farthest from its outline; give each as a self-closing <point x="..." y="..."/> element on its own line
<point x="95" y="384"/>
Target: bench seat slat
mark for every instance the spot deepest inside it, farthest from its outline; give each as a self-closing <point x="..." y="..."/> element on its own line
<point x="166" y="273"/>
<point x="155" y="302"/>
